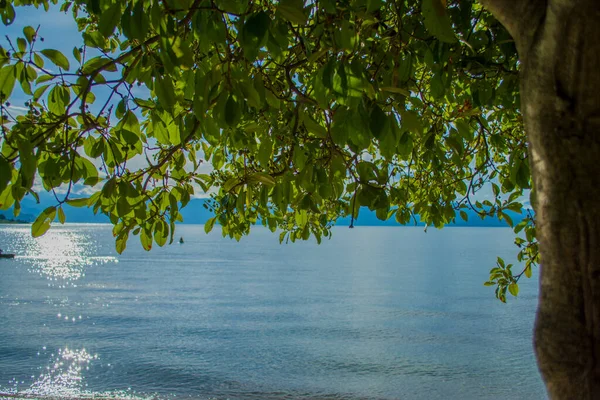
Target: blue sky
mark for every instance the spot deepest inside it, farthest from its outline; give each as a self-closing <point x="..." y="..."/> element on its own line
<point x="58" y="30"/>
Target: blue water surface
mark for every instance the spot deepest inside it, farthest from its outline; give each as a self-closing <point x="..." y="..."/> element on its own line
<point x="374" y="313"/>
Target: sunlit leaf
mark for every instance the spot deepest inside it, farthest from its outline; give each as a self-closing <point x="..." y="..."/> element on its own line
<point x="109" y="19"/>
<point x="7" y="81"/>
<point x="292" y="10"/>
<point x="437" y="20"/>
<point x="57" y="58"/>
<point x="209" y="224"/>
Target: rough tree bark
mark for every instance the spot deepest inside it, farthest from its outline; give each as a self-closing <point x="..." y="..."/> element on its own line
<point x="559" y="48"/>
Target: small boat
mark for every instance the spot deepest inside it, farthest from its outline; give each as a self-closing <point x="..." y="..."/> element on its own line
<point x="181" y="240"/>
<point x="7" y="255"/>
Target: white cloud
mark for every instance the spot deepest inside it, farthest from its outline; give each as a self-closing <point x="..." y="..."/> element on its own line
<point x="86" y="191"/>
<point x="16" y="110"/>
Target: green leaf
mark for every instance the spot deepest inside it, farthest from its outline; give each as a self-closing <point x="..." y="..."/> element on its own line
<point x="292" y="10"/>
<point x="437" y="86"/>
<point x="163" y="87"/>
<point x="313" y="126"/>
<point x="405" y="69"/>
<point x="146" y="239"/>
<point x="94" y="39"/>
<point x="230" y="184"/>
<point x="21" y="44"/>
<point x="500" y="262"/>
<point x="210" y="223"/>
<point x="39" y="92"/>
<point x="6" y="198"/>
<point x="39" y="63"/>
<point x="121" y="242"/>
<point x="522" y="175"/>
<point x="24" y="80"/>
<point x="506" y="217"/>
<point x="264" y="152"/>
<point x="262" y="178"/>
<point x="515" y="207"/>
<point x="57" y="58"/>
<point x="28" y="162"/>
<point x="43" y="78"/>
<point x="233" y="6"/>
<point x="251" y="94"/>
<point x="42" y="222"/>
<point x="77" y="54"/>
<point x="367" y="171"/>
<point x="39" y="227"/>
<point x="5" y="174"/>
<point x="58" y="99"/>
<point x="254" y="34"/>
<point x="398" y="90"/>
<point x="131" y="123"/>
<point x="109" y="19"/>
<point x="161" y="232"/>
<point x="465" y="130"/>
<point x="513" y="288"/>
<point x="272" y="100"/>
<point x="232" y="112"/>
<point x="410" y="122"/>
<point x="7" y="12"/>
<point x="437" y="21"/>
<point x="301" y="218"/>
<point x="378" y="122"/>
<point x="140" y="23"/>
<point x="240" y="202"/>
<point x="98" y="64"/>
<point x="7" y="81"/>
<point x="61" y="215"/>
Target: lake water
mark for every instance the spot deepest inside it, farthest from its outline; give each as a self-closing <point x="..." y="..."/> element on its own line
<point x="374" y="313"/>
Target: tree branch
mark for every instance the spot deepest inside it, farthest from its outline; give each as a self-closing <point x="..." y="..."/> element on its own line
<point x="521" y="18"/>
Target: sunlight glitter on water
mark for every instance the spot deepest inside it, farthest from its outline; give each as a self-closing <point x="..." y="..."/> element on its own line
<point x="60" y="254"/>
<point x="63" y="378"/>
<point x="70" y="268"/>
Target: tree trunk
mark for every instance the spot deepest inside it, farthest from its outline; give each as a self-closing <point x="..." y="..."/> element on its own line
<point x="560" y="101"/>
<point x="559" y="47"/>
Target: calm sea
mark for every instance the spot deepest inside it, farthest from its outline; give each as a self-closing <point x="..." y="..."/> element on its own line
<point x="374" y="313"/>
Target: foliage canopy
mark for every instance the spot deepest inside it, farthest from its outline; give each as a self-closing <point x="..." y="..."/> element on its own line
<point x="304" y="111"/>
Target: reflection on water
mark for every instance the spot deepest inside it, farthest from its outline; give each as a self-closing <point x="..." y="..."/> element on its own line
<point x="63" y="376"/>
<point x="62" y="255"/>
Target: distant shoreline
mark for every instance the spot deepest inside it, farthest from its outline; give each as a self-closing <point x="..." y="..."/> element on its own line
<point x="13" y="221"/>
<point x="259" y="226"/>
